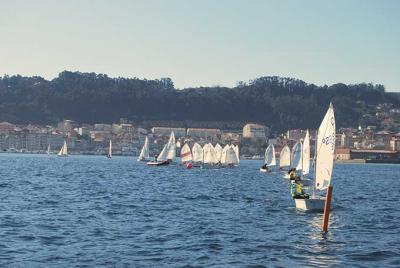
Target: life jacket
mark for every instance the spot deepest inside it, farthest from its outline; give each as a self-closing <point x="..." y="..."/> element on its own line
<point x="295" y="189"/>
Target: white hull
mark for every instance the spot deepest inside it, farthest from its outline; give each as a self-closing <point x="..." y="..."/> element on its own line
<point x="311" y="204"/>
<point x="263" y="170"/>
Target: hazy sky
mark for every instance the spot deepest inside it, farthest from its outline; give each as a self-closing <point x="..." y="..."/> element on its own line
<point x="212" y="42"/>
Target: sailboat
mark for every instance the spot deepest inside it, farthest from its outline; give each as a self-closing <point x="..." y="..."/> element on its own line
<point x="284" y="157"/>
<point x="186" y="154"/>
<point x="323" y="167"/>
<point x="197" y="155"/>
<point x="236" y="149"/>
<point x="269" y="158"/>
<point x="144" y="153"/>
<point x="48" y="149"/>
<point x="168" y="153"/>
<point x="64" y="150"/>
<point x="230" y="157"/>
<point x="209" y="154"/>
<point x="297" y="156"/>
<point x="218" y="153"/>
<point x="109" y="155"/>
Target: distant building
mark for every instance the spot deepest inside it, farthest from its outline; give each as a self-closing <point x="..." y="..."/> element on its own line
<point x="6" y="127"/>
<point x="346" y="140"/>
<point x="66" y="126"/>
<point x="166" y="131"/>
<point x="395" y="144"/>
<point x="103" y="127"/>
<point x="204" y="133"/>
<point x="296" y="134"/>
<point x="254" y="131"/>
<point x="374" y="154"/>
<point x="342" y="154"/>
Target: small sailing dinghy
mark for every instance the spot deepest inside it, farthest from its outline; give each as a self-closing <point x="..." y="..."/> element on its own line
<point x="284" y="158"/>
<point x="48" y="149"/>
<point x="218" y="153"/>
<point x="109" y="155"/>
<point x="230" y="157"/>
<point x="197" y="155"/>
<point x="64" y="150"/>
<point x="269" y="159"/>
<point x="168" y="153"/>
<point x="144" y="153"/>
<point x="186" y="154"/>
<point x="323" y="167"/>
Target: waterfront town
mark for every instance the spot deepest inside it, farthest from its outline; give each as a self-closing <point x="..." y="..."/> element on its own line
<point x="368" y="143"/>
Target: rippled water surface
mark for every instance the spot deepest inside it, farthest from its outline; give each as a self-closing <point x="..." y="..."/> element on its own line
<point x="90" y="211"/>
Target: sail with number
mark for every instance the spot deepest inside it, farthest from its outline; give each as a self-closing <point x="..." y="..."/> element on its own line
<point x="186" y="154"/>
<point x="269" y="157"/>
<point x="284" y="157"/>
<point x="64" y="150"/>
<point x="197" y="153"/>
<point x="297" y="151"/>
<point x="325" y="150"/>
<point x="306" y="154"/>
<point x="144" y="153"/>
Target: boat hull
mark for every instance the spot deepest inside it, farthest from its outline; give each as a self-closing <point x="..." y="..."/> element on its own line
<point x="163" y="163"/>
<point x="311" y="204"/>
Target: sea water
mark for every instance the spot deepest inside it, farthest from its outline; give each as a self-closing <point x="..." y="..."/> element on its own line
<point x="91" y="211"/>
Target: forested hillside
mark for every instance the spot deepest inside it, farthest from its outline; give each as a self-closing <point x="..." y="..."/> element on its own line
<point x="280" y="103"/>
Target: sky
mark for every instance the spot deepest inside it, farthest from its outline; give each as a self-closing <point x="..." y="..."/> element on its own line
<point x="205" y="42"/>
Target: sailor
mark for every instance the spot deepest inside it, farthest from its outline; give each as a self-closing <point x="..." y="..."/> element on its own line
<point x="292" y="174"/>
<point x="265" y="167"/>
<point x="155" y="158"/>
<point x="296" y="189"/>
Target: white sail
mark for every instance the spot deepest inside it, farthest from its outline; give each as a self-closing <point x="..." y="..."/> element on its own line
<point x="48" y="149"/>
<point x="236" y="149"/>
<point x="64" y="150"/>
<point x="197" y="153"/>
<point x="171" y="155"/>
<point x="269" y="158"/>
<point x="306" y="154"/>
<point x="297" y="156"/>
<point x="231" y="157"/>
<point x="186" y="154"/>
<point x="284" y="158"/>
<point x="223" y="154"/>
<point x="209" y="154"/>
<point x="144" y="153"/>
<point x="169" y="150"/>
<point x="218" y="153"/>
<point x="325" y="150"/>
<point x="110" y="149"/>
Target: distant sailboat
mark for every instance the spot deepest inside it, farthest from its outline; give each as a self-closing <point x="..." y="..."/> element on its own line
<point x="209" y="154"/>
<point x="197" y="154"/>
<point x="223" y="154"/>
<point x="284" y="158"/>
<point x="48" y="149"/>
<point x="269" y="158"/>
<point x="306" y="154"/>
<point x="218" y="153"/>
<point x="236" y="149"/>
<point x="144" y="153"/>
<point x="297" y="158"/>
<point x="168" y="153"/>
<point x="109" y="155"/>
<point x="231" y="158"/>
<point x="64" y="150"/>
<point x="186" y="154"/>
<point x="324" y="155"/>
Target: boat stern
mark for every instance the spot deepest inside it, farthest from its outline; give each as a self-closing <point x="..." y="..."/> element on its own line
<point x="311" y="204"/>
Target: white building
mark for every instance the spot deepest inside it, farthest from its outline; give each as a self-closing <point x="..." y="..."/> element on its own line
<point x="166" y="131"/>
<point x="254" y="131"/>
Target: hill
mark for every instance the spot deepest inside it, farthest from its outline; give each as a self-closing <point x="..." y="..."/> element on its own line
<point x="280" y="103"/>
